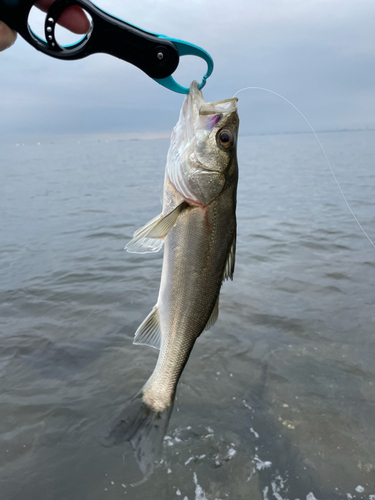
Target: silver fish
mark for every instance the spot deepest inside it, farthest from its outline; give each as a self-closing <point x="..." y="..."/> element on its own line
<point x="198" y="229"/>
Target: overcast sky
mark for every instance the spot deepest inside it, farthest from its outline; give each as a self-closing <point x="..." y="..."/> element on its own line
<point x="318" y="54"/>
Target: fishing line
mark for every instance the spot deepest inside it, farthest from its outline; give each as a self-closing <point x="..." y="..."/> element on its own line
<point x="323" y="150"/>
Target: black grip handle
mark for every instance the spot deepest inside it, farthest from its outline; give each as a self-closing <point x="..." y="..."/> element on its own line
<point x="15" y="13"/>
<point x="157" y="57"/>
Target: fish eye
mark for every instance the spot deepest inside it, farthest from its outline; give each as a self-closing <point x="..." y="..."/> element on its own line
<point x="224" y="138"/>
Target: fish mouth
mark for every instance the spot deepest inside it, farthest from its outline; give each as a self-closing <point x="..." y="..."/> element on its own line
<point x="194" y="136"/>
<point x="200" y="116"/>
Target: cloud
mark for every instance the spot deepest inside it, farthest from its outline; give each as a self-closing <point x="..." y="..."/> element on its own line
<point x="320" y="55"/>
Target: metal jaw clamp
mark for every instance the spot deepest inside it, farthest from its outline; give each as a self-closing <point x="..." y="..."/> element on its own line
<point x="156" y="55"/>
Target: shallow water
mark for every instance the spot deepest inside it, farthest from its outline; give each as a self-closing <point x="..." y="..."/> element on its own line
<point x="277" y="400"/>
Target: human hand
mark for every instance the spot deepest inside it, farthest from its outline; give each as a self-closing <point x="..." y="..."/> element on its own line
<point x="7" y="36"/>
<point x="73" y="18"/>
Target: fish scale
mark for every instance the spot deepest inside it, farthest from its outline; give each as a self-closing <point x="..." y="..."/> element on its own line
<point x="198" y="229"/>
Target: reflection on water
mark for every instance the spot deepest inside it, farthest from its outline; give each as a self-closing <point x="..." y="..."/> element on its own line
<point x="277" y="400"/>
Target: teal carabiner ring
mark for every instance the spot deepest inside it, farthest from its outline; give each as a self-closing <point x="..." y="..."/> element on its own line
<point x="186" y="49"/>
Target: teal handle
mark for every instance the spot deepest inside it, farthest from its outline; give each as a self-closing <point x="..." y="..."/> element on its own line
<point x="186" y="49"/>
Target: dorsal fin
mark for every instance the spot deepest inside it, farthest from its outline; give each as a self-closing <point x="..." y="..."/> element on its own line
<point x="228" y="274"/>
<point x="214" y="315"/>
<point x="148" y="333"/>
<point x="229" y="266"/>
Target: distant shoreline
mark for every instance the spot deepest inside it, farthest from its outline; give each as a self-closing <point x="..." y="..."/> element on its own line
<point x="147" y="136"/>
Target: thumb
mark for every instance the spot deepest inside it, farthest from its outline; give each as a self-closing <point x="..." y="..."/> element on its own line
<point x="7" y="36"/>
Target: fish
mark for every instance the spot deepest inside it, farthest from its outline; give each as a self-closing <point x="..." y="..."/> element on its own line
<point x="197" y="227"/>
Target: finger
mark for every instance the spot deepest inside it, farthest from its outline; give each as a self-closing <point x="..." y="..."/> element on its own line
<point x="7" y="36"/>
<point x="73" y="18"/>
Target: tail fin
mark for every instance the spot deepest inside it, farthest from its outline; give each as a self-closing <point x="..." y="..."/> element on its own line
<point x="143" y="427"/>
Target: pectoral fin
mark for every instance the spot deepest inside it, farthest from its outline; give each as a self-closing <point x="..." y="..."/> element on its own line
<point x="141" y="243"/>
<point x="162" y="228"/>
<point x="148" y="333"/>
<point x="149" y="238"/>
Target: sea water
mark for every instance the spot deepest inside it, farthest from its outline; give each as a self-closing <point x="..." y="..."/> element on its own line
<point x="277" y="400"/>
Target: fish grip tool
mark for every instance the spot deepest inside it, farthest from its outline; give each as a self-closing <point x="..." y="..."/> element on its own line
<point x="155" y="54"/>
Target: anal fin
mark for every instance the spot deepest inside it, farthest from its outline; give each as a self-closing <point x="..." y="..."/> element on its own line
<point x="148" y="333"/>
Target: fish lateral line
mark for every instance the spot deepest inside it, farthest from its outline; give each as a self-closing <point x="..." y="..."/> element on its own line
<point x="207" y="220"/>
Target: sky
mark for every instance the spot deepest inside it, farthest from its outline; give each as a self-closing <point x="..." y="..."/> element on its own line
<point x="320" y="55"/>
